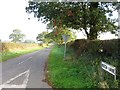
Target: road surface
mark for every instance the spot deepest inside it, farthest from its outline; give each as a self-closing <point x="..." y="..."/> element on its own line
<point x="26" y="71"/>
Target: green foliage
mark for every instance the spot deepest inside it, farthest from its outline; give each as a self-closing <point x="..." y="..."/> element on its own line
<point x="69" y="74"/>
<point x="109" y="47"/>
<point x="16" y="36"/>
<point x="41" y="37"/>
<point x="29" y="41"/>
<point x="12" y="54"/>
<point x="56" y="35"/>
<point x="81" y="72"/>
<point x="12" y="50"/>
<point x="109" y="55"/>
<point x="87" y="16"/>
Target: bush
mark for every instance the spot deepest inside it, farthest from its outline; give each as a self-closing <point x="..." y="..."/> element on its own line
<point x="85" y="70"/>
<point x="109" y="47"/>
<point x="79" y="46"/>
<point x="92" y="48"/>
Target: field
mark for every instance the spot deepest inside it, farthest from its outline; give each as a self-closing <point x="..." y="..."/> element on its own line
<point x="12" y="50"/>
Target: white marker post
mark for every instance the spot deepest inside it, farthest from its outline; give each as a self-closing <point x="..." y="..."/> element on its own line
<point x="109" y="68"/>
<point x="65" y="38"/>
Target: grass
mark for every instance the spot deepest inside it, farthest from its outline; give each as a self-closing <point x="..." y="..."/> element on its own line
<point x="81" y="72"/>
<point x="12" y="54"/>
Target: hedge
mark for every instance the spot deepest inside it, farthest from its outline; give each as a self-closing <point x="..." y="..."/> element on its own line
<point x="109" y="47"/>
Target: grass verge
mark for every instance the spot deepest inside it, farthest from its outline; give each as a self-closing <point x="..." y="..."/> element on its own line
<point x="82" y="72"/>
<point x="12" y="54"/>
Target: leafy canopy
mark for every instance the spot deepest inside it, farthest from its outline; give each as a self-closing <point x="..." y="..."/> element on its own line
<point x="41" y="37"/>
<point x="56" y="35"/>
<point x="87" y="16"/>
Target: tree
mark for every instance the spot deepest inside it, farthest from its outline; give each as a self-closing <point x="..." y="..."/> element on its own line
<point x="41" y="37"/>
<point x="16" y="36"/>
<point x="88" y="16"/>
<point x="29" y="41"/>
<point x="56" y="35"/>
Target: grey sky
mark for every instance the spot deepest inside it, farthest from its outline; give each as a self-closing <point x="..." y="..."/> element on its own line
<point x="13" y="16"/>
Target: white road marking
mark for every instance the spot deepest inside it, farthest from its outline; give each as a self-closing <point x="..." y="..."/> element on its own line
<point x="26" y="79"/>
<point x="25" y="60"/>
<point x="23" y="85"/>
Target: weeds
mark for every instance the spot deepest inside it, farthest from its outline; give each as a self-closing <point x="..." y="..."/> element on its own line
<point x="81" y="72"/>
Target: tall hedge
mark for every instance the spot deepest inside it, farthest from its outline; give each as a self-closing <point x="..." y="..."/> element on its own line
<point x="110" y="54"/>
<point x="109" y="47"/>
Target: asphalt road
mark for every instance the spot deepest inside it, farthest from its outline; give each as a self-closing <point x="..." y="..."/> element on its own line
<point x="26" y="71"/>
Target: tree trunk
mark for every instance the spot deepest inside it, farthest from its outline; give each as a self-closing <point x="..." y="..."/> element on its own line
<point x="93" y="34"/>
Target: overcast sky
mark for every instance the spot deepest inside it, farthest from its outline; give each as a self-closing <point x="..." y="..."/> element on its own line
<point x="13" y="16"/>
